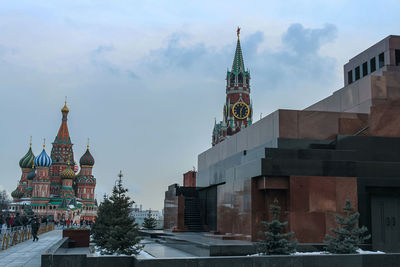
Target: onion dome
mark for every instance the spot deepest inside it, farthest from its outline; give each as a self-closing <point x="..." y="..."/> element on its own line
<point x="43" y="160"/>
<point x="27" y="160"/>
<point x="16" y="193"/>
<point x="68" y="173"/>
<point x="31" y="175"/>
<point x="65" y="108"/>
<point x="87" y="158"/>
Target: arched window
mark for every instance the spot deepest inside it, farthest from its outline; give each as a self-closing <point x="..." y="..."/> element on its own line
<point x="240" y="78"/>
<point x="232" y="80"/>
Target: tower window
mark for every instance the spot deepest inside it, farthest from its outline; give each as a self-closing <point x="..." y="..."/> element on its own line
<point x="232" y="79"/>
<point x="357" y="72"/>
<point x="365" y="69"/>
<point x="381" y="60"/>
<point x="397" y="57"/>
<point x="372" y="63"/>
<point x="240" y="78"/>
<point x="350" y="77"/>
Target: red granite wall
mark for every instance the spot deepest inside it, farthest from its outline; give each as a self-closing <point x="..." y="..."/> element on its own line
<point x="314" y="202"/>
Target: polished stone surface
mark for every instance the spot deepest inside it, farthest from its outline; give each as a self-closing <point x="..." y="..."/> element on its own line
<point x="28" y="253"/>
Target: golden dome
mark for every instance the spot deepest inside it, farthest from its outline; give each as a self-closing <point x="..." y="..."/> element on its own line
<point x="65" y="108"/>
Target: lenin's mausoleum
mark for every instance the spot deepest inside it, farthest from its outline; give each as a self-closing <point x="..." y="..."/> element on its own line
<point x="346" y="146"/>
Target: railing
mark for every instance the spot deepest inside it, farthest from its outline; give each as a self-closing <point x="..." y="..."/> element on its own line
<point x="12" y="236"/>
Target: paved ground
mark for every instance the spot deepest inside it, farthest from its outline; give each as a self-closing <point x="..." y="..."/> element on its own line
<point x="158" y="250"/>
<point x="29" y="253"/>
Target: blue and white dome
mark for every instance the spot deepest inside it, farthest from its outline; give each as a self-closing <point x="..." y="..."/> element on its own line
<point x="43" y="160"/>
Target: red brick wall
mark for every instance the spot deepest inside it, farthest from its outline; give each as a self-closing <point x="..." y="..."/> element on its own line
<point x="189" y="179"/>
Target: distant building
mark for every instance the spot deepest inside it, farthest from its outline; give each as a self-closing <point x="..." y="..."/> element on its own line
<point x="182" y="205"/>
<point x="140" y="214"/>
<point x="189" y="179"/>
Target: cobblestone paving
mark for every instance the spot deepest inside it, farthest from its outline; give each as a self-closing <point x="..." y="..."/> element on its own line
<point x="29" y="253"/>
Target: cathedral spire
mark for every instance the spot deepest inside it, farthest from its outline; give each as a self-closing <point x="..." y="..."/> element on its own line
<point x="63" y="133"/>
<point x="238" y="63"/>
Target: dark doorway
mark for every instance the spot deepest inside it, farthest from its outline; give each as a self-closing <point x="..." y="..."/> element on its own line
<point x="208" y="207"/>
<point x="385" y="218"/>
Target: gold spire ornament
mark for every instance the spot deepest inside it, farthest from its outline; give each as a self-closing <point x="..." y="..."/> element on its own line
<point x="65" y="108"/>
<point x="44" y="143"/>
<point x="238" y="32"/>
<point x="30" y="142"/>
<point x="88" y="143"/>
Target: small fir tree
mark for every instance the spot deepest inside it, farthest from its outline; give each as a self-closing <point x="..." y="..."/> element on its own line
<point x="276" y="242"/>
<point x="149" y="222"/>
<point x="347" y="234"/>
<point x="114" y="231"/>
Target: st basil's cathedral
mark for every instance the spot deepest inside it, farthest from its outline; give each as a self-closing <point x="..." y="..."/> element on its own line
<point x="50" y="186"/>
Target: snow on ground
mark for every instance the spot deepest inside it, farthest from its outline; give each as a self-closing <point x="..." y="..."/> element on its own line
<point x="359" y="251"/>
<point x="142" y="254"/>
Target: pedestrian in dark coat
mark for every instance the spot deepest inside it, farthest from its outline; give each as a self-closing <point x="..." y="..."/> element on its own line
<point x="35" y="228"/>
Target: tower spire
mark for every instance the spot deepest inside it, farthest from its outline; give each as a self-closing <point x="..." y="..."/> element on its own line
<point x="63" y="133"/>
<point x="238" y="63"/>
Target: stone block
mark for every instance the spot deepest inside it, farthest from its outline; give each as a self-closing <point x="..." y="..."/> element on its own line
<point x="375" y="260"/>
<point x="322" y="191"/>
<point x="308" y="227"/>
<point x="278" y="261"/>
<point x="299" y="193"/>
<point x="352" y="260"/>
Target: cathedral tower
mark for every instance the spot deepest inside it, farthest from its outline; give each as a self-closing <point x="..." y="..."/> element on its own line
<point x="41" y="182"/>
<point x="85" y="181"/>
<point x="61" y="153"/>
<point x="238" y="110"/>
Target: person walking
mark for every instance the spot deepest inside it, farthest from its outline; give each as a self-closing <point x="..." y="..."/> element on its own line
<point x="35" y="228"/>
<point x="8" y="219"/>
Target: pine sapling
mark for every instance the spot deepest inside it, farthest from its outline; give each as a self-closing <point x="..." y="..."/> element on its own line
<point x="347" y="235"/>
<point x="276" y="242"/>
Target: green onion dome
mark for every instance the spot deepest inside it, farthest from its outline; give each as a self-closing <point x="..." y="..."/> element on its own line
<point x="16" y="193"/>
<point x="68" y="173"/>
<point x="31" y="175"/>
<point x="27" y="160"/>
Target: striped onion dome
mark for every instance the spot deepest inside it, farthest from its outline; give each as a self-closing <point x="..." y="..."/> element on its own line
<point x="87" y="159"/>
<point x="68" y="173"/>
<point x="43" y="160"/>
<point x="27" y="160"/>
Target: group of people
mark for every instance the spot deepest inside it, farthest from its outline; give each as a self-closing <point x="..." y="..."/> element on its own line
<point x="69" y="223"/>
<point x="15" y="222"/>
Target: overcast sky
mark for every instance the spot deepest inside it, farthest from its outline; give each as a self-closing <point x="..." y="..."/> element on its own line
<point x="145" y="79"/>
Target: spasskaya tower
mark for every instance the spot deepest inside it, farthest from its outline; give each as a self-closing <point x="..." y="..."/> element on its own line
<point x="238" y="110"/>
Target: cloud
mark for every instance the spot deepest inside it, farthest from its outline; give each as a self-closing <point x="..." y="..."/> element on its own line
<point x="307" y="41"/>
<point x="293" y="65"/>
<point x="100" y="59"/>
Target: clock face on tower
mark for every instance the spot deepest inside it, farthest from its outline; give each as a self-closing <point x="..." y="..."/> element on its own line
<point x="240" y="110"/>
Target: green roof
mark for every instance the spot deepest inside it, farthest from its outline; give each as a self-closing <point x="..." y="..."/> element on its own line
<point x="238" y="63"/>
